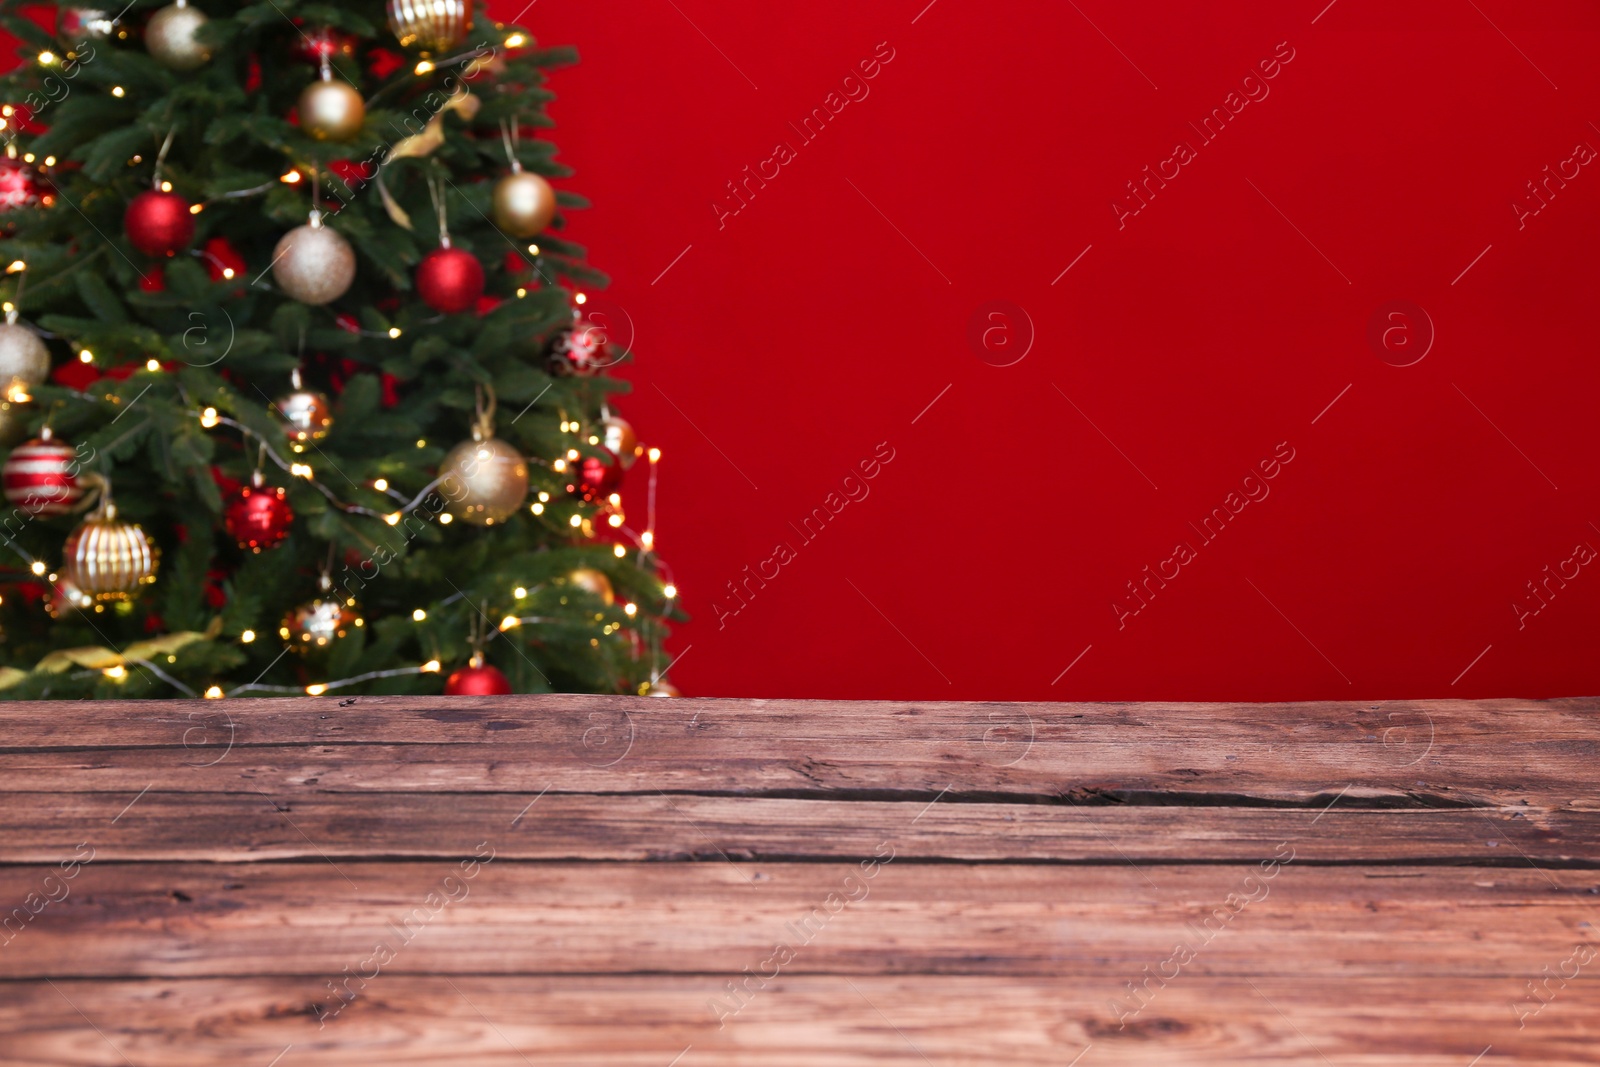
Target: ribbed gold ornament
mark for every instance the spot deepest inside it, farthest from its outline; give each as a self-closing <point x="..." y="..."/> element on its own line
<point x="431" y="25"/>
<point x="108" y="559"/>
<point x="595" y="583"/>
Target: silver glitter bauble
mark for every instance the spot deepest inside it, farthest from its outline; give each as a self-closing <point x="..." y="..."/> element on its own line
<point x="319" y="622"/>
<point x="313" y="264"/>
<point x="171" y="37"/>
<point x="485" y="481"/>
<point x="24" y="359"/>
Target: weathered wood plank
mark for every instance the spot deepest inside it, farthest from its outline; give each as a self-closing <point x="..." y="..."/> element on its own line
<point x="509" y="917"/>
<point x="241" y="827"/>
<point x="795" y="1021"/>
<point x="1423" y="753"/>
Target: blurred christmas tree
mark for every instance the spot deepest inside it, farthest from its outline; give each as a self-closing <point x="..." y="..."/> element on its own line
<point x="298" y="392"/>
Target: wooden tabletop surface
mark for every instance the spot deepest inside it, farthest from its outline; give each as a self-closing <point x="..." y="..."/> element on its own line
<point x="704" y="883"/>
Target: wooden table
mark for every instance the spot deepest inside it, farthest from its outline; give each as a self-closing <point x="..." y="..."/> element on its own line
<point x="689" y="883"/>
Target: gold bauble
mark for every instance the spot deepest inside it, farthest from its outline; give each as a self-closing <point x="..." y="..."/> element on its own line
<point x="524" y="204"/>
<point x="318" y="623"/>
<point x="305" y="415"/>
<point x="485" y="481"/>
<point x="108" y="559"/>
<point x="24" y="359"/>
<point x="331" y="110"/>
<point x="620" y="440"/>
<point x="663" y="689"/>
<point x="431" y="25"/>
<point x="313" y="264"/>
<point x="594" y="582"/>
<point x="171" y="37"/>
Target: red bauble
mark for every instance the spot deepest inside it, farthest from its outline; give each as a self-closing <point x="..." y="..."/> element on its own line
<point x="480" y="681"/>
<point x="159" y="224"/>
<point x="220" y="257"/>
<point x="593" y="477"/>
<point x="18" y="185"/>
<point x="583" y="350"/>
<point x="258" y="517"/>
<point x="41" y="477"/>
<point x="450" y="280"/>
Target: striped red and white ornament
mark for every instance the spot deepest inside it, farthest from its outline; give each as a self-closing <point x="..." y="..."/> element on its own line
<point x="42" y="476"/>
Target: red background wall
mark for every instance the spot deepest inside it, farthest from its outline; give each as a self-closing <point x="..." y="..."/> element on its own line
<point x="1228" y="319"/>
<point x="1216" y="323"/>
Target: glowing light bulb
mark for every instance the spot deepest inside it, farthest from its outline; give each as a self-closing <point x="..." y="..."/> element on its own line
<point x="516" y="40"/>
<point x="117" y="673"/>
<point x="247" y="637"/>
<point x="615" y="520"/>
<point x="49" y="161"/>
<point x="670" y="592"/>
<point x="631" y="609"/>
<point x="519" y="592"/>
<point x="533" y="249"/>
<point x="619" y="550"/>
<point x="424" y="67"/>
<point x="394" y="331"/>
<point x="418" y="615"/>
<point x="195" y="209"/>
<point x="290" y="178"/>
<point x="537" y="509"/>
<point x="544" y="496"/>
<point x="214" y="693"/>
<point x="521" y="293"/>
<point x="38" y="567"/>
<point x="655" y="455"/>
<point x="47" y="57"/>
<point x="15" y="266"/>
<point x="580" y="299"/>
<point x="116" y="91"/>
<point x="166" y="187"/>
<point x="393" y="518"/>
<point x="446" y="519"/>
<point x="208" y="417"/>
<point x="430" y="667"/>
<point x="316" y="690"/>
<point x="510" y="622"/>
<point x="577" y="520"/>
<point x="648" y="540"/>
<point x="572" y="453"/>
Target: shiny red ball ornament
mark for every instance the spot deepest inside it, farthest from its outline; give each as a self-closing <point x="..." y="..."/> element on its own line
<point x="450" y="280"/>
<point x="159" y="224"/>
<point x="259" y="516"/>
<point x="41" y="477"/>
<point x="477" y="681"/>
<point x="594" y="478"/>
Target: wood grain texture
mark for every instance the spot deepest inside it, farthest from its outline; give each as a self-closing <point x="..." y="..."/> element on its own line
<point x="584" y="918"/>
<point x="239" y="827"/>
<point x="303" y="882"/>
<point x="801" y="1021"/>
<point x="1409" y="753"/>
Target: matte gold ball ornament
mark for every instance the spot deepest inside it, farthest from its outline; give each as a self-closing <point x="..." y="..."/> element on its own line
<point x="431" y="25"/>
<point x="172" y="37"/>
<point x="24" y="359"/>
<point x="313" y="264"/>
<point x="331" y="109"/>
<point x="524" y="203"/>
<point x="106" y="558"/>
<point x="485" y="479"/>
